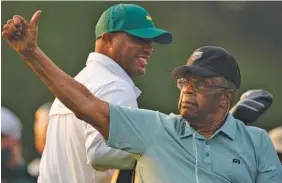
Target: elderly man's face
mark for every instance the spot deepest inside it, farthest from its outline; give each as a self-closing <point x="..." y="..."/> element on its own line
<point x="131" y="53"/>
<point x="200" y="97"/>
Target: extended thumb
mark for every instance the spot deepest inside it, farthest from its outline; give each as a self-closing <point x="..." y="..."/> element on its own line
<point x="35" y="18"/>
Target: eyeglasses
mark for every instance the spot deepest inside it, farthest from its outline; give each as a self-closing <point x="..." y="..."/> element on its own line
<point x="197" y="85"/>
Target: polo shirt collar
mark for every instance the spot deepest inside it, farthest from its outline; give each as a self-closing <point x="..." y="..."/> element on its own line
<point x="229" y="128"/>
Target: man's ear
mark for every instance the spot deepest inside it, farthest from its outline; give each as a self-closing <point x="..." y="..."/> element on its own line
<point x="107" y="38"/>
<point x="226" y="98"/>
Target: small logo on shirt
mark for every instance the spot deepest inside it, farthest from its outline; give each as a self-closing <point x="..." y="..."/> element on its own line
<point x="236" y="161"/>
<point x="183" y="126"/>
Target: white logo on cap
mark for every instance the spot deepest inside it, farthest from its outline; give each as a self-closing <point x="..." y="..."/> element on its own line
<point x="196" y="55"/>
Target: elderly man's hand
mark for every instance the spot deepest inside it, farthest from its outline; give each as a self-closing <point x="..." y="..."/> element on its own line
<point x="20" y="34"/>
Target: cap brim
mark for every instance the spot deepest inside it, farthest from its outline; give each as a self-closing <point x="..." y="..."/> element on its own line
<point x="182" y="71"/>
<point x="157" y="35"/>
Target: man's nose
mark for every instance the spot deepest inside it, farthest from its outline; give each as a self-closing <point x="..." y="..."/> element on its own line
<point x="188" y="89"/>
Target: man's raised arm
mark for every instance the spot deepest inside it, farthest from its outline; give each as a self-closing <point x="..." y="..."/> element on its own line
<point x="22" y="37"/>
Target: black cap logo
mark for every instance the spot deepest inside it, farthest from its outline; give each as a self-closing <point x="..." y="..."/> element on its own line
<point x="196" y="55"/>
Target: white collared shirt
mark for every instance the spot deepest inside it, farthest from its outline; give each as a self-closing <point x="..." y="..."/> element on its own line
<point x="73" y="147"/>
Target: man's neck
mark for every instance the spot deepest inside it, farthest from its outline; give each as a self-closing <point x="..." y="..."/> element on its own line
<point x="208" y="126"/>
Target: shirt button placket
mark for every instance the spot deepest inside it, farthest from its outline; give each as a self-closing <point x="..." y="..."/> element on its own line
<point x="207" y="154"/>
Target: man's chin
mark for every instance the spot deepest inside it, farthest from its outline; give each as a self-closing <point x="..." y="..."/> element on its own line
<point x="189" y="116"/>
<point x="140" y="72"/>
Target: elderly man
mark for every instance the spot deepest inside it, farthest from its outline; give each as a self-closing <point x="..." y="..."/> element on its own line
<point x="203" y="144"/>
<point x="124" y="43"/>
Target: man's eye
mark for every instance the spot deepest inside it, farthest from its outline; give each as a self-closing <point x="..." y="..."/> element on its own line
<point x="200" y="84"/>
<point x="183" y="83"/>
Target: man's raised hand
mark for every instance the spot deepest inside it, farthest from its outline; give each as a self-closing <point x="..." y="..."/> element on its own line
<point x="20" y="34"/>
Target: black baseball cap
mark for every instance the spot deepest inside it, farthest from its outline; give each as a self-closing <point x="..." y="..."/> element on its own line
<point x="210" y="61"/>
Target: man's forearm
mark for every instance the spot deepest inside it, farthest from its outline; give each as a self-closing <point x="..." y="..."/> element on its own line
<point x="70" y="92"/>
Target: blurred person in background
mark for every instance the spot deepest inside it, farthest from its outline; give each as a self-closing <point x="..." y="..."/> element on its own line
<point x="124" y="44"/>
<point x="276" y="137"/>
<point x="41" y="120"/>
<point x="13" y="166"/>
